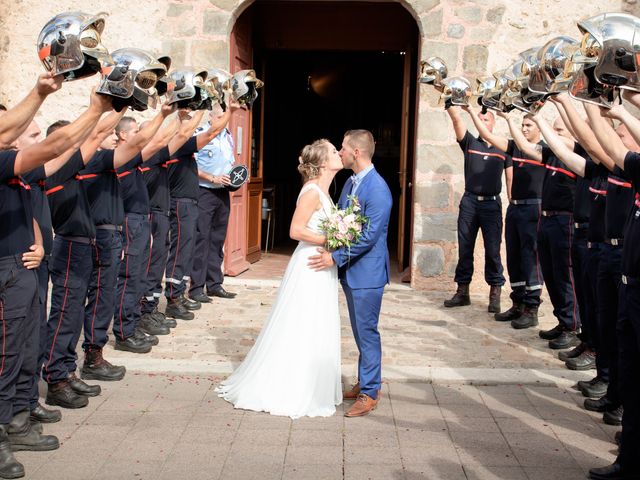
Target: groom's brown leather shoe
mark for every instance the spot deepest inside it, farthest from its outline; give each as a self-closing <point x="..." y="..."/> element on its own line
<point x="353" y="393"/>
<point x="364" y="404"/>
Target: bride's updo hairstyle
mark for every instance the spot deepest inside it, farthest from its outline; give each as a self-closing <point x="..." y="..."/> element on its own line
<point x="312" y="158"/>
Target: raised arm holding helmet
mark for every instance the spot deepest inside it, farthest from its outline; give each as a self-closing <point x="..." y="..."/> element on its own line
<point x="497" y="141"/>
<point x="619" y="112"/>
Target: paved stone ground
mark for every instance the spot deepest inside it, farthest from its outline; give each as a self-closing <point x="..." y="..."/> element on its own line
<point x="167" y="427"/>
<point x="464" y="398"/>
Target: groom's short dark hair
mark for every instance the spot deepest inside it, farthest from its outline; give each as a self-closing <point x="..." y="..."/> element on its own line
<point x="362" y="140"/>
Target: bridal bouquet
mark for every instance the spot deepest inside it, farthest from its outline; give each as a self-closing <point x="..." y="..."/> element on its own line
<point x="344" y="227"/>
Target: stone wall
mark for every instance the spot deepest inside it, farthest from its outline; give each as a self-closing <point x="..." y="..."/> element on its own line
<point x="474" y="37"/>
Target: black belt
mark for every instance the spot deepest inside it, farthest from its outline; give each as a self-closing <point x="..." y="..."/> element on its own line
<point x="614" y="241"/>
<point x="77" y="239"/>
<point x="580" y="226"/>
<point x="482" y="198"/>
<point x="185" y="199"/>
<point x="553" y="213"/>
<point x="526" y="201"/>
<point x="109" y="226"/>
<point x="630" y="280"/>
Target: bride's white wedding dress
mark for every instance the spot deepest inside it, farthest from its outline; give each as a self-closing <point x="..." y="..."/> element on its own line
<point x="294" y="367"/>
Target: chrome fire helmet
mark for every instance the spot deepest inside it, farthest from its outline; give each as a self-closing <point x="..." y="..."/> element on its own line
<point x="457" y="91"/>
<point x="218" y="85"/>
<point x="130" y="75"/>
<point x="185" y="88"/>
<point x="556" y="70"/>
<point x="244" y="85"/>
<point x="163" y="82"/>
<point x="491" y="97"/>
<point x="433" y="71"/>
<point x="618" y="36"/>
<point x="586" y="88"/>
<point x="69" y="44"/>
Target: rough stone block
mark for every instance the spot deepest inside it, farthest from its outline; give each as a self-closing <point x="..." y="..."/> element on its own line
<point x="494" y="15"/>
<point x="481" y="34"/>
<point x="430" y="94"/>
<point x="432" y="24"/>
<point x="436" y="227"/>
<point x="441" y="159"/>
<point x="475" y="58"/>
<point x="445" y="50"/>
<point x="176" y="9"/>
<point x="227" y="5"/>
<point x="472" y="15"/>
<point x="176" y="49"/>
<point x="423" y="6"/>
<point x="455" y="30"/>
<point x="215" y="23"/>
<point x="430" y="260"/>
<point x="212" y="53"/>
<point x="433" y="196"/>
<point x="434" y="126"/>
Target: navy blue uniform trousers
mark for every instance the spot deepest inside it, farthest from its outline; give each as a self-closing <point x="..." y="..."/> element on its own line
<point x="19" y="307"/>
<point x="101" y="296"/>
<point x="156" y="261"/>
<point x="521" y="238"/>
<point x="628" y="330"/>
<point x="592" y="301"/>
<point x="579" y="257"/>
<point x="71" y="264"/>
<point x="211" y="231"/>
<point x="477" y="215"/>
<point x="554" y="249"/>
<point x="41" y="331"/>
<point x="184" y="216"/>
<point x="609" y="281"/>
<point x="130" y="288"/>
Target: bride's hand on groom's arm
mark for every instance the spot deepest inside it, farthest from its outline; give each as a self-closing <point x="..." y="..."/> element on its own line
<point x="321" y="261"/>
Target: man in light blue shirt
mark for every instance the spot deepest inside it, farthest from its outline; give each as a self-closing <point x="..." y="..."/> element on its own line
<point x="214" y="163"/>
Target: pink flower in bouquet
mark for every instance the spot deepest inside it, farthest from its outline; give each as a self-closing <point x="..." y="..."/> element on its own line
<point x="342" y="226"/>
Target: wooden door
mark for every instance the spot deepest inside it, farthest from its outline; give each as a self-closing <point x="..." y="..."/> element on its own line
<point x="235" y="260"/>
<point x="403" y="175"/>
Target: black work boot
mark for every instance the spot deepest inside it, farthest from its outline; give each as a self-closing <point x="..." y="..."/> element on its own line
<point x="41" y="414"/>
<point x="555" y="332"/>
<point x="190" y="304"/>
<point x="175" y="309"/>
<point x="151" y="326"/>
<point x="602" y="404"/>
<point x="594" y="390"/>
<point x="133" y="345"/>
<point x="494" y="299"/>
<point x="24" y="436"/>
<point x="573" y="353"/>
<point x="9" y="466"/>
<point x="82" y="388"/>
<point x="145" y="337"/>
<point x="529" y="318"/>
<point x="163" y="319"/>
<point x="514" y="312"/>
<point x="95" y="367"/>
<point x="566" y="339"/>
<point x="460" y="298"/>
<point x="585" y="361"/>
<point x="613" y="417"/>
<point x="62" y="394"/>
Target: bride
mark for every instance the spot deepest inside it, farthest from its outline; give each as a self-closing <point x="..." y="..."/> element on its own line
<point x="294" y="367"/>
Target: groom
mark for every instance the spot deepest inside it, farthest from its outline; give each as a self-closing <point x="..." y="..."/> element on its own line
<point x="364" y="268"/>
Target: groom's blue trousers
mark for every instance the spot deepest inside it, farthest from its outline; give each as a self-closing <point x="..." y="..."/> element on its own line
<point x="364" y="311"/>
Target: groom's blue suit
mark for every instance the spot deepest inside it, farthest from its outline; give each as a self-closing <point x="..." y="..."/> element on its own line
<point x="364" y="271"/>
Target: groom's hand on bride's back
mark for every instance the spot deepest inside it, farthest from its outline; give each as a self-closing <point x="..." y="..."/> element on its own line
<point x="321" y="261"/>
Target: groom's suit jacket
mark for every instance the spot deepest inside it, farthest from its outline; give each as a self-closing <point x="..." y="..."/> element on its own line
<point x="366" y="264"/>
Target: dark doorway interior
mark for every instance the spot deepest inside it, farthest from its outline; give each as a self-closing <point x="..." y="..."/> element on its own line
<point x="323" y="94"/>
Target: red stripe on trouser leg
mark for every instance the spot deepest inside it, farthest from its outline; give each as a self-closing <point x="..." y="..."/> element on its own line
<point x="95" y="306"/>
<point x="4" y="336"/>
<point x="150" y="245"/>
<point x="175" y="260"/>
<point x="573" y="286"/>
<point x="64" y="303"/>
<point x="126" y="274"/>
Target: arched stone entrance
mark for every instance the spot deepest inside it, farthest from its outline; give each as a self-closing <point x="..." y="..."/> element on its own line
<point x="298" y="46"/>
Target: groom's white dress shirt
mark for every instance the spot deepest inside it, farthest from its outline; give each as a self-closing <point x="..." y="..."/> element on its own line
<point x="357" y="178"/>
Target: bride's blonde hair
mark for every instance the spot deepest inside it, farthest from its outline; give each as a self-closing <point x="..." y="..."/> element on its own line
<point x="312" y="158"/>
